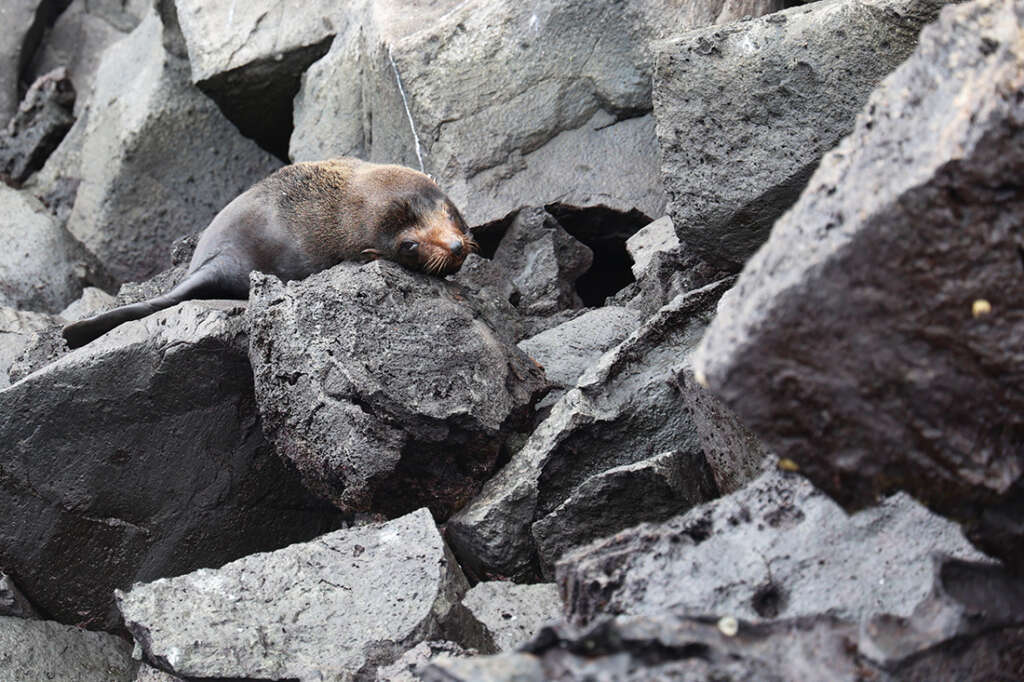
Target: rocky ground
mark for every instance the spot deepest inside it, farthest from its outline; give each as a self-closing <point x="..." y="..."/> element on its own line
<point x="733" y="390"/>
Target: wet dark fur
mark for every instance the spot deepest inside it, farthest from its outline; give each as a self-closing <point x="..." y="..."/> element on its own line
<point x="306" y="218"/>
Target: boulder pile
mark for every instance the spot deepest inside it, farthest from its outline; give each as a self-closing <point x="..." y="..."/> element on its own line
<point x="731" y="389"/>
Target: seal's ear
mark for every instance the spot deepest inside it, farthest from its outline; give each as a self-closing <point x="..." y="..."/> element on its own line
<point x="371" y="254"/>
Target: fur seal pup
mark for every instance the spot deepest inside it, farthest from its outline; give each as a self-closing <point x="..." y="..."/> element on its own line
<point x="305" y="218"/>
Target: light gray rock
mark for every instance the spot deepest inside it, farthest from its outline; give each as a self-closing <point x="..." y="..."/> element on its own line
<point x="650" y="490"/>
<point x="480" y="99"/>
<point x="92" y="301"/>
<point x="17" y="328"/>
<point x="659" y="235"/>
<point x="888" y="306"/>
<point x="138" y="456"/>
<point x="158" y="158"/>
<point x="12" y="601"/>
<point x="570" y="348"/>
<point x="507" y="615"/>
<point x="32" y="650"/>
<point x="777" y="548"/>
<point x="333" y="608"/>
<point x="387" y="388"/>
<point x="148" y="673"/>
<point x="409" y="667"/>
<point x="746" y="110"/>
<point x="667" y="275"/>
<point x="624" y="409"/>
<point x="23" y="22"/>
<point x="42" y="120"/>
<point x="42" y="267"/>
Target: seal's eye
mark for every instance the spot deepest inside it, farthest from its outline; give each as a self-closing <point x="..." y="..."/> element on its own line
<point x="408" y="247"/>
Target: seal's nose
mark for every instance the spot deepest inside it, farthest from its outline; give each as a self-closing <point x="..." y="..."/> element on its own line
<point x="455" y="246"/>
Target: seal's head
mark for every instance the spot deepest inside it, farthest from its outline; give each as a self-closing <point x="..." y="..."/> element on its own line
<point x="424" y="231"/>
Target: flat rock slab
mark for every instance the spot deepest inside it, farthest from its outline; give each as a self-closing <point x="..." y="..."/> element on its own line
<point x="33" y="650"/>
<point x="746" y="110"/>
<point x="777" y="548"/>
<point x="508" y="614"/>
<point x="140" y="456"/>
<point x="333" y="608"/>
<point x="387" y="388"/>
<point x="876" y="339"/>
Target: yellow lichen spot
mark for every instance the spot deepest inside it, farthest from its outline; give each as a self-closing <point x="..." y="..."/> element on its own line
<point x="786" y="464"/>
<point x="701" y="378"/>
<point x="981" y="307"/>
<point x="728" y="626"/>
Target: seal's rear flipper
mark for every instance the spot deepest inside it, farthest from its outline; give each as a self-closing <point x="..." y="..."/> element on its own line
<point x="203" y="283"/>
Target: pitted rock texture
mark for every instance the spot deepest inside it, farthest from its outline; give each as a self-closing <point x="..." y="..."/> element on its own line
<point x="17" y="332"/>
<point x="746" y="110"/>
<point x="624" y="409"/>
<point x="138" y="456"/>
<point x="43" y="650"/>
<point x="388" y="389"/>
<point x="888" y="306"/>
<point x="777" y="548"/>
<point x="333" y="608"/>
<point x="409" y="667"/>
<point x="507" y="615"/>
<point x="158" y="158"/>
<point x="41" y="122"/>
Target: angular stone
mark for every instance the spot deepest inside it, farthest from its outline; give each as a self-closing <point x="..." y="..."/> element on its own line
<point x="24" y="22"/>
<point x="12" y="601"/>
<point x="506" y="615"/>
<point x="624" y="409"/>
<point x="651" y="490"/>
<point x="888" y="306"/>
<point x="42" y="267"/>
<point x="658" y="236"/>
<point x="570" y="348"/>
<point x="667" y="275"/>
<point x="333" y="608"/>
<point x="141" y="456"/>
<point x="410" y="666"/>
<point x="92" y="301"/>
<point x="777" y="548"/>
<point x="387" y="388"/>
<point x="746" y="110"/>
<point x="43" y="650"/>
<point x="479" y="98"/>
<point x="543" y="261"/>
<point x="17" y="329"/>
<point x="158" y="159"/>
<point x="41" y="122"/>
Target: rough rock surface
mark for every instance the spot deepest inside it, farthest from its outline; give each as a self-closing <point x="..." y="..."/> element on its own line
<point x="41" y="122"/>
<point x="43" y="650"/>
<point x="887" y="305"/>
<point x="500" y="118"/>
<point x="42" y="267"/>
<point x="139" y="456"/>
<point x="667" y="275"/>
<point x="12" y="601"/>
<point x="507" y="615"/>
<point x="570" y="348"/>
<point x="148" y="673"/>
<point x="746" y="110"/>
<point x="658" y="236"/>
<point x="624" y="409"/>
<point x="135" y="196"/>
<point x="386" y="387"/>
<point x="333" y="608"/>
<point x="92" y="301"/>
<point x="776" y="548"/>
<point x="650" y="490"/>
<point x="543" y="261"/>
<point x="23" y="22"/>
<point x="410" y="666"/>
<point x="17" y="329"/>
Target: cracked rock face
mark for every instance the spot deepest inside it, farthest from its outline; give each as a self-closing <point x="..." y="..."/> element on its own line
<point x="746" y="110"/>
<point x="44" y="650"/>
<point x="333" y="608"/>
<point x="139" y="456"/>
<point x="777" y="548"/>
<point x="888" y="305"/>
<point x="386" y="388"/>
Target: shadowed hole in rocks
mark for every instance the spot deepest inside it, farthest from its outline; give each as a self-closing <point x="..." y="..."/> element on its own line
<point x="769" y="601"/>
<point x="1020" y="252"/>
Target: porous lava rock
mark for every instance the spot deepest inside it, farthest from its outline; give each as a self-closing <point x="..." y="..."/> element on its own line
<point x="43" y="650"/>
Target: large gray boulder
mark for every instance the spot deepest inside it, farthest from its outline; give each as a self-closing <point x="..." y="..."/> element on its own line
<point x="746" y="110"/>
<point x="32" y="650"/>
<point x="387" y="388"/>
<point x="158" y="158"/>
<point x="42" y="267"/>
<point x="888" y="305"/>
<point x="624" y="409"/>
<point x="140" y="456"/>
<point x="778" y="548"/>
<point x="480" y="99"/>
<point x="333" y="608"/>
